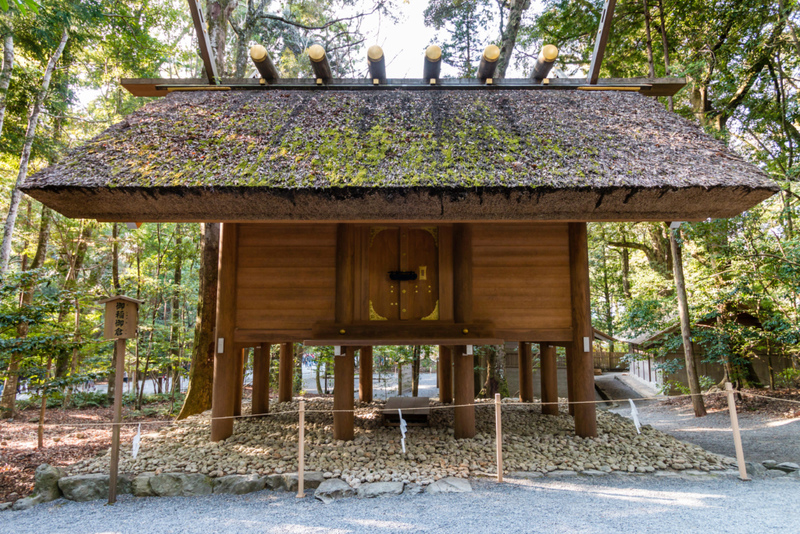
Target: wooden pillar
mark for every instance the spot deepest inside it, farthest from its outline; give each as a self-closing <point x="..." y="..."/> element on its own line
<point x="583" y="368"/>
<point x="365" y="374"/>
<point x="549" y="375"/>
<point x="570" y="374"/>
<point x="464" y="423"/>
<point x="463" y="366"/>
<point x="239" y="384"/>
<point x="445" y="374"/>
<point x="285" y="372"/>
<point x="222" y="403"/>
<point x="525" y="372"/>
<point x="343" y="377"/>
<point x="261" y="365"/>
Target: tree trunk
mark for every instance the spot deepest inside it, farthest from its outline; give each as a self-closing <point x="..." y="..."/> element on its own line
<point x="175" y="326"/>
<point x="43" y="407"/>
<point x="651" y="68"/>
<point x="686" y="329"/>
<point x="77" y="258"/>
<point x="218" y="14"/>
<point x="665" y="45"/>
<point x="5" y="74"/>
<point x="509" y="37"/>
<point x="319" y="382"/>
<point x="9" y="398"/>
<point x="201" y="374"/>
<point x="30" y="134"/>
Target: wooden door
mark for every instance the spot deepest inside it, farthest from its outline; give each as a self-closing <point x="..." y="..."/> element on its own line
<point x="403" y="273"/>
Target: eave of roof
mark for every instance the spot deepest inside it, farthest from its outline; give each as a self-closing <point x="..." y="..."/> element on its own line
<point x="439" y="155"/>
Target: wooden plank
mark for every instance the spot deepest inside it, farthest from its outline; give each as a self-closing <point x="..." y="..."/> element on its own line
<point x="601" y="40"/>
<point x="462" y="273"/>
<point x="445" y="374"/>
<point x="203" y="42"/>
<point x="384" y="256"/>
<point x="261" y="257"/>
<point x="156" y="87"/>
<point x="224" y="359"/>
<point x="464" y="416"/>
<point x="410" y="329"/>
<point x="553" y="335"/>
<point x="445" y="273"/>
<point x="253" y="336"/>
<point x="287" y="293"/>
<point x="267" y="302"/>
<point x="343" y="376"/>
<point x="582" y="363"/>
<point x="306" y="235"/>
<point x="549" y="378"/>
<point x="344" y="273"/>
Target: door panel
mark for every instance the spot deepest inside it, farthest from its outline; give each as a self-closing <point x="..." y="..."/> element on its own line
<point x="403" y="249"/>
<point x="384" y="256"/>
<point x="423" y="258"/>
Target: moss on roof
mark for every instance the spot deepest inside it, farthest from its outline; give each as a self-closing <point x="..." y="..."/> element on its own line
<point x="312" y="140"/>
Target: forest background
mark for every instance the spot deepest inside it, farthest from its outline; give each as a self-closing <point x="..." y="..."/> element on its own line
<point x="62" y="62"/>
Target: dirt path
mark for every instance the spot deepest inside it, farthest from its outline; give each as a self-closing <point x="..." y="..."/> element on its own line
<point x="66" y="440"/>
<point x="770" y="429"/>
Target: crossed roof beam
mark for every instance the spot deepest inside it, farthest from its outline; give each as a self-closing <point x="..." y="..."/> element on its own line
<point x="270" y="79"/>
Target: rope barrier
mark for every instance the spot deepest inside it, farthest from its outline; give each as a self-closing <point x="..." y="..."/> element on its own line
<point x="488" y="404"/>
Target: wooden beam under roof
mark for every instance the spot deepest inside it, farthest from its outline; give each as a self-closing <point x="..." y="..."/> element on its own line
<point x="601" y="40"/>
<point x="203" y="42"/>
<point x="161" y="86"/>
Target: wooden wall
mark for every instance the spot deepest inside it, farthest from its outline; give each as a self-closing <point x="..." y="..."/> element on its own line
<point x="286" y="280"/>
<point x="521" y="280"/>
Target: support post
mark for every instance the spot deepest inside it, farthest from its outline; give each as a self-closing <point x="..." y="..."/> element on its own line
<point x="601" y="40"/>
<point x="463" y="366"/>
<point x="365" y="374"/>
<point x="583" y="364"/>
<point x="445" y="374"/>
<point x="498" y="435"/>
<point x="285" y="371"/>
<point x="464" y="416"/>
<point x="570" y="375"/>
<point x="120" y="369"/>
<point x="239" y="389"/>
<point x="343" y="376"/>
<point x="222" y="401"/>
<point x="737" y="437"/>
<point x="525" y="372"/>
<point x="261" y="366"/>
<point x="301" y="453"/>
<point x="549" y="377"/>
<point x="203" y="42"/>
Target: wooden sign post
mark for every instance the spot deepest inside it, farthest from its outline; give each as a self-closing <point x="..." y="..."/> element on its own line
<point x="121" y="320"/>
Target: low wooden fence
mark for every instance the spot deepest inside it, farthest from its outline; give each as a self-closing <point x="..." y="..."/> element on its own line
<point x="610" y="361"/>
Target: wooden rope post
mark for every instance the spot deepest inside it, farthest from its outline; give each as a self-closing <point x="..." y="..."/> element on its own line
<point x="737" y="437"/>
<point x="499" y="437"/>
<point x="301" y="456"/>
<point x="112" y="479"/>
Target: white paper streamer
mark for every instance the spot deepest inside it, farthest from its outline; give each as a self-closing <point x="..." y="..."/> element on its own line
<point x="136" y="439"/>
<point x="403" y="427"/>
<point x="635" y="415"/>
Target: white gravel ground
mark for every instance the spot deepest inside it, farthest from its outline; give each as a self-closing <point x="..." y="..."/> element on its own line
<point x="618" y="503"/>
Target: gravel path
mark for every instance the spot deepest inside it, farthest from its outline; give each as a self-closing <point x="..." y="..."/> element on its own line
<point x="763" y="437"/>
<point x="609" y="504"/>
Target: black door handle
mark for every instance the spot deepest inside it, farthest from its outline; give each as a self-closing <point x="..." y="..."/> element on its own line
<point x="402" y="275"/>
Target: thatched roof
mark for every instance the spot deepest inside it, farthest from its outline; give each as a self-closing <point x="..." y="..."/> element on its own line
<point x="359" y="155"/>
